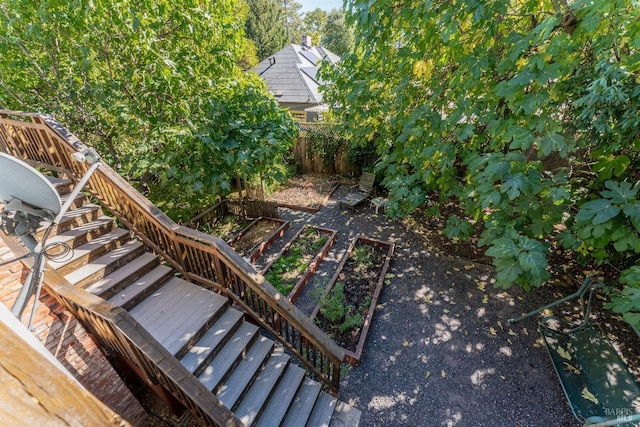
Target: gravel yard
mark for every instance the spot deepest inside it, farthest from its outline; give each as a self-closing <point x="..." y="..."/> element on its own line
<point x="440" y="351"/>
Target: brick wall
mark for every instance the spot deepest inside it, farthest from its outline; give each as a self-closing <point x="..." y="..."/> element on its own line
<point x="68" y="341"/>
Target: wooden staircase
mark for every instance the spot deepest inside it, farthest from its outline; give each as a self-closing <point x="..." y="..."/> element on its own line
<point x="248" y="373"/>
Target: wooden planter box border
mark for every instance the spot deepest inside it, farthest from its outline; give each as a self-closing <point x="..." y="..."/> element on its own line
<point x="307" y="208"/>
<point x="306" y="276"/>
<point x="262" y="247"/>
<point x="352" y="357"/>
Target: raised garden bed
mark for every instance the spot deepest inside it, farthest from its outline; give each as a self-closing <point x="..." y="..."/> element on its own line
<point x="224" y="227"/>
<point x="292" y="268"/>
<point x="258" y="236"/>
<point x="346" y="308"/>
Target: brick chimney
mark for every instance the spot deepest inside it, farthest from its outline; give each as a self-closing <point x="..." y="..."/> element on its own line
<point x="306" y="41"/>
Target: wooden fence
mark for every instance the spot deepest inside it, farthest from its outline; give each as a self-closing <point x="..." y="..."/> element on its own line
<point x="306" y="158"/>
<point x="248" y="208"/>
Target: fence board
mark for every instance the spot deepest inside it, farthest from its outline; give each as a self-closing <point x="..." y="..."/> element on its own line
<point x="315" y="164"/>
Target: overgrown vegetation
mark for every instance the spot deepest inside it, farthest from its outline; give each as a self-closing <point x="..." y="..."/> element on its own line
<point x="524" y="113"/>
<point x="324" y="141"/>
<point x="153" y="85"/>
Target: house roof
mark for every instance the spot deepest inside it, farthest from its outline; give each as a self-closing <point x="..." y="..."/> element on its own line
<point x="293" y="78"/>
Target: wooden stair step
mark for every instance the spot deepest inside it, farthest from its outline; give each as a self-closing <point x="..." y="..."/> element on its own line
<point x="81" y="234"/>
<point x="141" y="287"/>
<point x="99" y="268"/>
<point x="62" y="185"/>
<point x="282" y="397"/>
<point x="303" y="404"/>
<point x="201" y="353"/>
<point x="177" y="313"/>
<point x="322" y="411"/>
<point x="253" y="401"/>
<point x="80" y="200"/>
<point x="123" y="276"/>
<point x="245" y="372"/>
<point x="90" y="250"/>
<point x="227" y="358"/>
<point x="73" y="218"/>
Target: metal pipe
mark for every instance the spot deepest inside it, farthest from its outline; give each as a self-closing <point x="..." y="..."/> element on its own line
<point x="578" y="293"/>
<point x="76" y="190"/>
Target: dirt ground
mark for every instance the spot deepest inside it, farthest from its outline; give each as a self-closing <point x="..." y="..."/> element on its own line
<point x="308" y="190"/>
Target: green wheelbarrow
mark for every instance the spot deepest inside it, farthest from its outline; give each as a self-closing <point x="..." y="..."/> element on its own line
<point x="598" y="385"/>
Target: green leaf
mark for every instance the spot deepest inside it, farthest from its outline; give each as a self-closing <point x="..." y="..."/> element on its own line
<point x="512" y="186"/>
<point x="629" y="242"/>
<point x="532" y="261"/>
<point x="567" y="240"/>
<point x="598" y="211"/>
<point x="610" y="166"/>
<point x="508" y="272"/>
<point x="619" y="192"/>
<point x="552" y="142"/>
<point x="631" y="276"/>
<point x="632" y="211"/>
<point x="503" y="248"/>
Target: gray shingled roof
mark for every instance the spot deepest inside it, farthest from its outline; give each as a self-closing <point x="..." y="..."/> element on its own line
<point x="293" y="76"/>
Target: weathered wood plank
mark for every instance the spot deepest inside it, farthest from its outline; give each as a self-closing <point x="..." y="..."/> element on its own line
<point x="227" y="358"/>
<point x="105" y="264"/>
<point x="129" y="296"/>
<point x="303" y="404"/>
<point x="207" y="346"/>
<point x="176" y="312"/>
<point x="123" y="275"/>
<point x="247" y="369"/>
<point x="281" y="397"/>
<point x="162" y="301"/>
<point x="73" y="218"/>
<point x="90" y="250"/>
<point x="83" y="233"/>
<point x="322" y="411"/>
<point x="252" y="403"/>
<point x="35" y="391"/>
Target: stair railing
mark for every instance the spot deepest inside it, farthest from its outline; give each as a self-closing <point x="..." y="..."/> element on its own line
<point x="204" y="259"/>
<point x="123" y="338"/>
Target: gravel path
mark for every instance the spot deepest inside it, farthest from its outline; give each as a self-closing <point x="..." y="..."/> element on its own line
<point x="440" y="351"/>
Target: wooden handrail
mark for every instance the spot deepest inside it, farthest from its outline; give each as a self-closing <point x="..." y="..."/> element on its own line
<point x="204" y="259"/>
<point x="119" y="334"/>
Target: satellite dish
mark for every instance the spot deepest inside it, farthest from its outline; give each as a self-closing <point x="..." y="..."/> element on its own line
<point x="28" y="199"/>
<point x="20" y="181"/>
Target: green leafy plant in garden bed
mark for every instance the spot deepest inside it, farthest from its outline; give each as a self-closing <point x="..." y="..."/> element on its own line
<point x="342" y="316"/>
<point x="343" y="307"/>
<point x="287" y="269"/>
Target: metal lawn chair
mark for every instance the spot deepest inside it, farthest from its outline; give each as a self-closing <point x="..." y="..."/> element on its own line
<point x="365" y="187"/>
